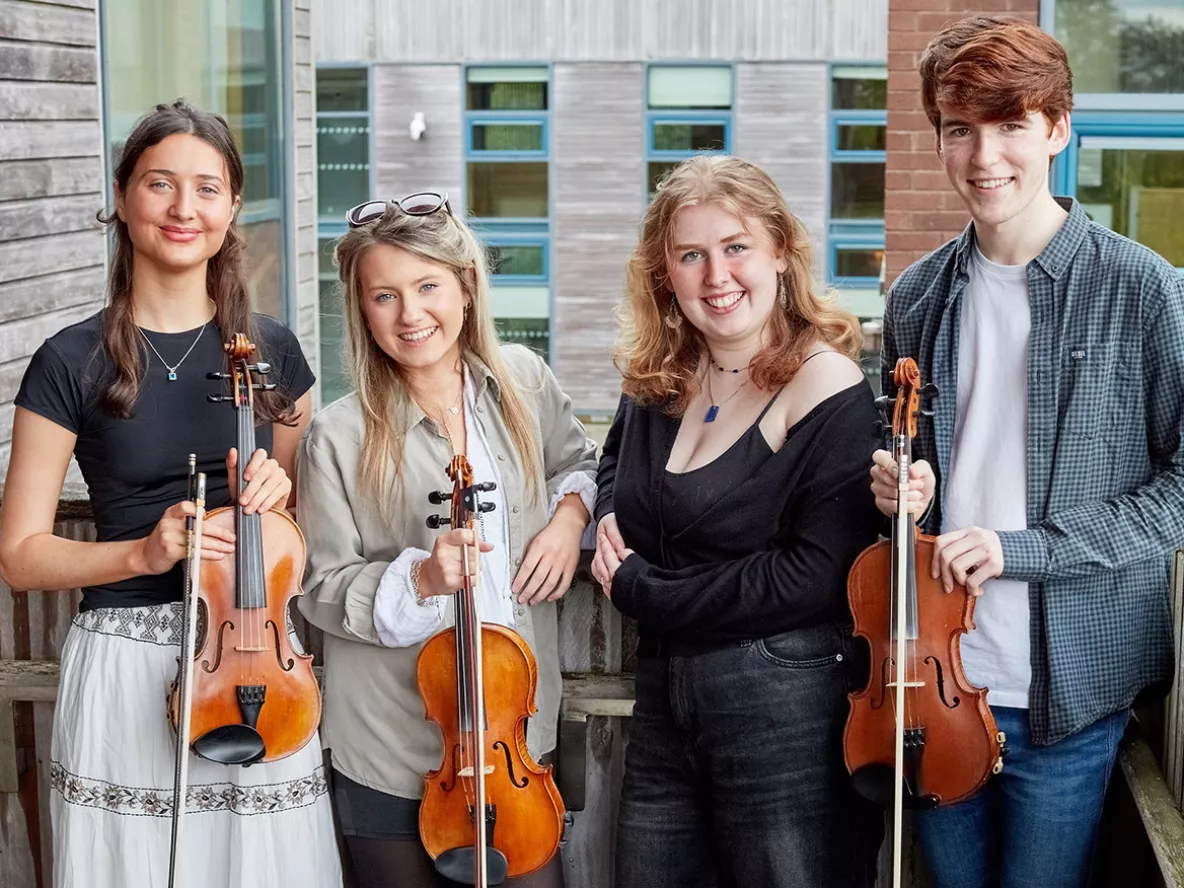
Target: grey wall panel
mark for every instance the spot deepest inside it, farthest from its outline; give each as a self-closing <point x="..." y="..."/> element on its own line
<point x="435" y="161"/>
<point x="598" y="182"/>
<point x="343" y="30"/>
<point x="432" y="31"/>
<point x="859" y="30"/>
<point x="781" y="125"/>
<point x="52" y="251"/>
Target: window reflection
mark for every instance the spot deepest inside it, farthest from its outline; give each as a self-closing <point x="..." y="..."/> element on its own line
<point x="222" y="56"/>
<point x="1136" y="192"/>
<point x="1123" y="46"/>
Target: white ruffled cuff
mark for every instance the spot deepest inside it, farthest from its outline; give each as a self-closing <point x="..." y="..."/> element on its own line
<point x="399" y="619"/>
<point x="578" y="482"/>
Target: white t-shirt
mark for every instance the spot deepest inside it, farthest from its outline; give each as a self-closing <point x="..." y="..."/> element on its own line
<point x="987" y="483"/>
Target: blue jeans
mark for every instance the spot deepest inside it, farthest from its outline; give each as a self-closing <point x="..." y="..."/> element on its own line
<point x="1034" y="824"/>
<point x="734" y="771"/>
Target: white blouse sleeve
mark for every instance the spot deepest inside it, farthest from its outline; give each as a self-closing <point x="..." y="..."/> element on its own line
<point x="578" y="482"/>
<point x="399" y="619"/>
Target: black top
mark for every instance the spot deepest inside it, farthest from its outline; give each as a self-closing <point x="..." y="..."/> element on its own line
<point x="767" y="551"/>
<point x="136" y="468"/>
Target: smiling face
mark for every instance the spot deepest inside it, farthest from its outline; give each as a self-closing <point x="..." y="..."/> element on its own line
<point x="1000" y="169"/>
<point x="415" y="308"/>
<point x="177" y="203"/>
<point x="724" y="276"/>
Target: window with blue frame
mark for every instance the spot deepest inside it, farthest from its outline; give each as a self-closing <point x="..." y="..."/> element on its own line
<point x="858" y="157"/>
<point x="1127" y="171"/>
<point x="343" y="181"/>
<point x="507" y="165"/>
<point x="689" y="112"/>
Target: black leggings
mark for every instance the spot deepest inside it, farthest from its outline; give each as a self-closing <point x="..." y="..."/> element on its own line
<point x="382" y="842"/>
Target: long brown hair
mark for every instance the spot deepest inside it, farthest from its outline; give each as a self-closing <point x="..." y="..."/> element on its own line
<point x="658" y="350"/>
<point x="225" y="277"/>
<point x="445" y="240"/>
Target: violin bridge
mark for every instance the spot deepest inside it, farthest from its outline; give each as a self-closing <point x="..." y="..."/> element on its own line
<point x="467" y="771"/>
<point x="907" y="684"/>
<point x="252" y="650"/>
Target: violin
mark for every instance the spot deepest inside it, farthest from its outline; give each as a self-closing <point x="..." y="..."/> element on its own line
<point x="489" y="811"/>
<point x="253" y="696"/>
<point x="919" y="735"/>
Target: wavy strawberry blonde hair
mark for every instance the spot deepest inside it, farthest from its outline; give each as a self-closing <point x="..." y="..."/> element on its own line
<point x="658" y="350"/>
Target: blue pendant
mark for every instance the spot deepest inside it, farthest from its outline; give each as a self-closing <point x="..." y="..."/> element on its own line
<point x="712" y="413"/>
<point x="172" y="375"/>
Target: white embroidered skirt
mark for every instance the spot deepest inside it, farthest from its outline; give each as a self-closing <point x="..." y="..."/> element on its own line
<point x="112" y="777"/>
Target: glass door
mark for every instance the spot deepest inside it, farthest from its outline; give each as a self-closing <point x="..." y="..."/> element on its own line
<point x="1131" y="183"/>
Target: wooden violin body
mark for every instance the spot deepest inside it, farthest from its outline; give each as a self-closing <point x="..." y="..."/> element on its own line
<point x="958" y="748"/>
<point x="253" y="697"/>
<point x="529" y="810"/>
<point x="489" y="811"/>
<point x="919" y="735"/>
<point x="250" y="647"/>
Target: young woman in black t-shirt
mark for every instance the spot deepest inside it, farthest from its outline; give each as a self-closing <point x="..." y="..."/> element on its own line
<point x="124" y="392"/>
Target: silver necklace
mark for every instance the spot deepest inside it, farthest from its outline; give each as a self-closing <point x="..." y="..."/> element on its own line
<point x="713" y="410"/>
<point x="172" y="370"/>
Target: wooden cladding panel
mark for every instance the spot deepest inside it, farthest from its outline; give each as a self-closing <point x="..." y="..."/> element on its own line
<point x="781" y="125"/>
<point x="46" y="62"/>
<point x="599" y="185"/>
<point x="401" y="31"/>
<point x="435" y="161"/>
<point x="23" y="179"/>
<point x="45" y="23"/>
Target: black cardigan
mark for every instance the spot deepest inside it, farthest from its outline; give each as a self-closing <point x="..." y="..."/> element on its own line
<point x="770" y="555"/>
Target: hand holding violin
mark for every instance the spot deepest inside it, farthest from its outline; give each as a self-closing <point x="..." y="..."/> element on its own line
<point x="443" y="573"/>
<point x="268" y="485"/>
<point x="165" y="546"/>
<point x="922" y="483"/>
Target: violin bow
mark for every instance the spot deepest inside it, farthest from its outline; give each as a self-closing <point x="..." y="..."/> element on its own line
<point x="191" y="584"/>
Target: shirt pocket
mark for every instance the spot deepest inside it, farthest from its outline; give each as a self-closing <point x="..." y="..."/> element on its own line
<point x="1094" y="380"/>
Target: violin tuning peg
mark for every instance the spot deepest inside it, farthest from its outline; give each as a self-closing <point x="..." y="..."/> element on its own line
<point x="928" y="390"/>
<point x="436" y="497"/>
<point x="437" y="521"/>
<point x="883" y="403"/>
<point x="878" y="429"/>
<point x="260" y="369"/>
<point x="486" y="486"/>
<point x="218" y="399"/>
<point x="217" y="374"/>
<point x="928" y="413"/>
<point x="487" y="507"/>
<point x="264" y="386"/>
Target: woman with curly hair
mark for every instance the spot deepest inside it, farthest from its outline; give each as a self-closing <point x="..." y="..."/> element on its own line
<point x="732" y="502"/>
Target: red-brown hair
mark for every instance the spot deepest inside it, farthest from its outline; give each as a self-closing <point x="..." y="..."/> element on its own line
<point x="995" y="68"/>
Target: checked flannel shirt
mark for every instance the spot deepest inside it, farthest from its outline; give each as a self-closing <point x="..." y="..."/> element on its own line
<point x="1105" y="470"/>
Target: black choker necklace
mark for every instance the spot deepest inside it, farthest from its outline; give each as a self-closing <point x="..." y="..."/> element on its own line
<point x="721" y="369"/>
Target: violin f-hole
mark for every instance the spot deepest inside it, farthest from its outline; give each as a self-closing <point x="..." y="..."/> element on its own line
<point x="941" y="683"/>
<point x="505" y="749"/>
<point x="218" y="652"/>
<point x="270" y="624"/>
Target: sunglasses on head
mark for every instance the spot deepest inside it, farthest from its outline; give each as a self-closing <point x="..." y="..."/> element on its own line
<point x="422" y="203"/>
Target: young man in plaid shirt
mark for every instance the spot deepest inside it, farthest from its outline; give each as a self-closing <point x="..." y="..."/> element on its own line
<point x="1053" y="467"/>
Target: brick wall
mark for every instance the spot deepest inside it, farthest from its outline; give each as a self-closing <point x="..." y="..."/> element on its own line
<point x="921" y="211"/>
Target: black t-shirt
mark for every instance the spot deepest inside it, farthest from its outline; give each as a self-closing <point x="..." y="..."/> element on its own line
<point x="136" y="468"/>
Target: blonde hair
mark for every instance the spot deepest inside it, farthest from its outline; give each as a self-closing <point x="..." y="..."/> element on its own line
<point x="381" y="390"/>
<point x="658" y="350"/>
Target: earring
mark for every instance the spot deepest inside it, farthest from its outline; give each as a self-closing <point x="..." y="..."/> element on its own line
<point x="673" y="318"/>
<point x="782" y="295"/>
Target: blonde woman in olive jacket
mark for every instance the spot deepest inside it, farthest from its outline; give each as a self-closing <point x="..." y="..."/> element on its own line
<point x="431" y="380"/>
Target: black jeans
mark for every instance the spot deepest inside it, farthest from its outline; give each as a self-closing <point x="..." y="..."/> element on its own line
<point x="734" y="771"/>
